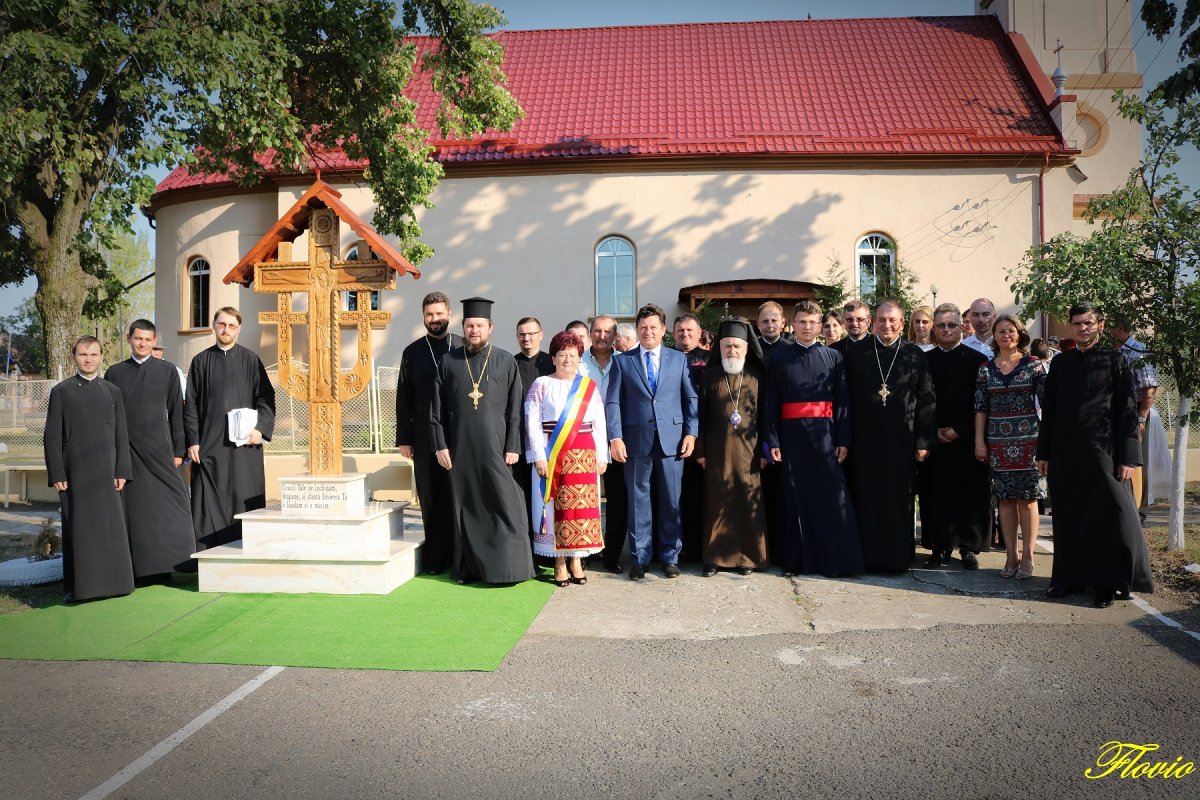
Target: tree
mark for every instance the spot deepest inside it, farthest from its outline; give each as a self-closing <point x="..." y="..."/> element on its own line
<point x="24" y="340"/>
<point x="899" y="284"/>
<point x="94" y="94"/>
<point x="1141" y="264"/>
<point x="130" y="264"/>
<point x="831" y="295"/>
<point x="1160" y="17"/>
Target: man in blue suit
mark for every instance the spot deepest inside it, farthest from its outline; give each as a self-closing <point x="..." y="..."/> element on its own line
<point x="652" y="410"/>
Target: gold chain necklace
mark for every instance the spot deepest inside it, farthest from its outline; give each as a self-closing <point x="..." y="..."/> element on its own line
<point x="735" y="418"/>
<point x="883" y="390"/>
<point x="475" y="394"/>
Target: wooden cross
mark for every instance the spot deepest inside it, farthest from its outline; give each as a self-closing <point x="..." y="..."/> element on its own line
<point x="323" y="277"/>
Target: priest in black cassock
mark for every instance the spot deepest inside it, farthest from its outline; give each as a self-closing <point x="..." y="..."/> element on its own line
<point x="414" y="396"/>
<point x="953" y="485"/>
<point x="475" y="425"/>
<point x="87" y="460"/>
<point x="1088" y="447"/>
<point x="532" y="363"/>
<point x="809" y="429"/>
<point x="156" y="500"/>
<point x="893" y="423"/>
<point x="226" y="479"/>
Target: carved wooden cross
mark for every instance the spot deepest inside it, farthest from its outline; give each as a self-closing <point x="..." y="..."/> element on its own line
<point x="323" y="277"/>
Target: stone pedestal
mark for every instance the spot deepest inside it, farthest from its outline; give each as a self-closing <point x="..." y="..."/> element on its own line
<point x="323" y="536"/>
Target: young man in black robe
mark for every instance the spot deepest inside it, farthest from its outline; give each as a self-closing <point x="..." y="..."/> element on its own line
<point x="954" y="486"/>
<point x="87" y="460"/>
<point x="156" y="500"/>
<point x="776" y="483"/>
<point x="686" y="330"/>
<point x="475" y="425"/>
<point x="414" y="396"/>
<point x="226" y="479"/>
<point x="809" y="429"/>
<point x="1088" y="447"/>
<point x="893" y="421"/>
<point x="532" y="363"/>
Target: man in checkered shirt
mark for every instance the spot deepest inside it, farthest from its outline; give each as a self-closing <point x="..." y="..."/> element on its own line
<point x="1145" y="387"/>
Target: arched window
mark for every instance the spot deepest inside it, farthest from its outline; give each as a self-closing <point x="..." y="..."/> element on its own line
<point x="616" y="285"/>
<point x="876" y="256"/>
<point x="197" y="289"/>
<point x="350" y="303"/>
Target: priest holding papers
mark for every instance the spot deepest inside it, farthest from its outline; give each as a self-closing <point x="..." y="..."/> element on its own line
<point x="229" y="400"/>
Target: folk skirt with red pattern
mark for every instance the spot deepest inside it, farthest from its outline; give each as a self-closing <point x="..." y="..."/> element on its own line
<point x="576" y="518"/>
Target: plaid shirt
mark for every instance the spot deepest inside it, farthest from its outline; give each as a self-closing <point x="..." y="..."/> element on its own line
<point x="1144" y="375"/>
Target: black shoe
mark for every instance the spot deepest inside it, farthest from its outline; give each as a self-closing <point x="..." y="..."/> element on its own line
<point x="789" y="572"/>
<point x="614" y="567"/>
<point x="1104" y="599"/>
<point x="1056" y="592"/>
<point x="744" y="571"/>
<point x="970" y="561"/>
<point x="671" y="571"/>
<point x="637" y="572"/>
<point x="709" y="571"/>
<point x="934" y="560"/>
<point x="1125" y="595"/>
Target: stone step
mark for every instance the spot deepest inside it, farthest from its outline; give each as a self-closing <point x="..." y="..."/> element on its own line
<point x="363" y="533"/>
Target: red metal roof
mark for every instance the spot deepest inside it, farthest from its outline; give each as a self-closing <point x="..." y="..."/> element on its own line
<point x="923" y="86"/>
<point x="296" y="221"/>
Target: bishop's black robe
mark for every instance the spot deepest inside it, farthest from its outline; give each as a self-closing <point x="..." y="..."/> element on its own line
<point x="734" y="522"/>
<point x="1089" y="429"/>
<point x="414" y="396"/>
<point x="530" y="369"/>
<point x="691" y="486"/>
<point x="157" y="510"/>
<point x="809" y="383"/>
<point x="229" y="479"/>
<point x="491" y="539"/>
<point x="884" y="439"/>
<point x="954" y="486"/>
<point x="87" y="446"/>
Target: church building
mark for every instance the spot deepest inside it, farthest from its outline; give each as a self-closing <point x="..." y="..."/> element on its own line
<point x="726" y="162"/>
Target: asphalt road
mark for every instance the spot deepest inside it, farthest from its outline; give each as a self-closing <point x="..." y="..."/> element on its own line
<point x="928" y="685"/>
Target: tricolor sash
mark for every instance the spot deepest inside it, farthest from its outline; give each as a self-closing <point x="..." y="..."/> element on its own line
<point x="564" y="433"/>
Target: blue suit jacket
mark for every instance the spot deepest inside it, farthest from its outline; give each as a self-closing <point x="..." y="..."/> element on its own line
<point x="636" y="416"/>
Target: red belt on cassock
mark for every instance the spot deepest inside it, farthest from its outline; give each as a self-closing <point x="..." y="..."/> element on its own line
<point x="822" y="408"/>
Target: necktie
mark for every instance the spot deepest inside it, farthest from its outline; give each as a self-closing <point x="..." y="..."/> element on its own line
<point x="650" y="376"/>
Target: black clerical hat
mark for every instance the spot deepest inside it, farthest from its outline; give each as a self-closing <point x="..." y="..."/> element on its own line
<point x="735" y="327"/>
<point x="738" y="327"/>
<point x="477" y="307"/>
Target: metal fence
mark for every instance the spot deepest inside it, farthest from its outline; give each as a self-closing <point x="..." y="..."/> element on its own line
<point x="368" y="421"/>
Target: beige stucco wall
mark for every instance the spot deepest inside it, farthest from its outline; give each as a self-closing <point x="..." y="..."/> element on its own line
<point x="528" y="241"/>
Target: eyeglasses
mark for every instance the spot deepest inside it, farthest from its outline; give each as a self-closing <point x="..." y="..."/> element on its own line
<point x="527" y="335"/>
<point x="947" y="325"/>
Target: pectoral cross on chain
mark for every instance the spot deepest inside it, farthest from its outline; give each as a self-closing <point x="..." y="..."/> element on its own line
<point x="475" y="394"/>
<point x="883" y="392"/>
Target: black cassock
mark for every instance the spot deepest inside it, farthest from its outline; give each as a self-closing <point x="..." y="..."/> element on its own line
<point x="807" y="385"/>
<point x="156" y="499"/>
<point x="1089" y="428"/>
<point x="884" y="439"/>
<point x="414" y="395"/>
<point x="530" y="369"/>
<point x="87" y="446"/>
<point x="953" y="485"/>
<point x="229" y="479"/>
<point x="491" y="539"/>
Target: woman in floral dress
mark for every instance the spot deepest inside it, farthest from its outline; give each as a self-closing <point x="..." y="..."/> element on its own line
<point x="1006" y="433"/>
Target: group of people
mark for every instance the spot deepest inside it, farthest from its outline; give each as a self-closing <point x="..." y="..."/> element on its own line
<point x="806" y="451"/>
<point x="115" y="448"/>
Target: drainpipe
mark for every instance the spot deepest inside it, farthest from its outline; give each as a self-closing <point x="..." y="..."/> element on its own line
<point x="1043" y="318"/>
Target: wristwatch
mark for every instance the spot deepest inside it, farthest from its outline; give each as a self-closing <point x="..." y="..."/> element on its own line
<point x="1141" y="420"/>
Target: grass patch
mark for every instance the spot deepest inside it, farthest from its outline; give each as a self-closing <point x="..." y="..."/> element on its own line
<point x="1168" y="565"/>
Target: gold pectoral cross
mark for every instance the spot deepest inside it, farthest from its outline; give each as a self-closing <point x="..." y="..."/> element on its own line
<point x="883" y="392"/>
<point x="475" y="394"/>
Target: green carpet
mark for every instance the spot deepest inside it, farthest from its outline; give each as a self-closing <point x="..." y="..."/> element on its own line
<point x="428" y="624"/>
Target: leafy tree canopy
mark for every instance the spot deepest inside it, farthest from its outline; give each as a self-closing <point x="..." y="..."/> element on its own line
<point x="93" y="94"/>
<point x="1160" y="17"/>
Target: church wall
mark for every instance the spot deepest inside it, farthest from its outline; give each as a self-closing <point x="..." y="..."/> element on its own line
<point x="528" y="241"/>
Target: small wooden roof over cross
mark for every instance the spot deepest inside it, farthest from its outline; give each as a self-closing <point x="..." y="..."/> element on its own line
<point x="297" y="220"/>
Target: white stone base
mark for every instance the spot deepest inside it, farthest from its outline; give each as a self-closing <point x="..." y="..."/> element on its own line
<point x="357" y="553"/>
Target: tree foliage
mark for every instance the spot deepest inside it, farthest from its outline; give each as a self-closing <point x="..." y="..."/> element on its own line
<point x="899" y="284"/>
<point x="24" y="340"/>
<point x="94" y="94"/>
<point x="831" y="295"/>
<point x="1160" y="17"/>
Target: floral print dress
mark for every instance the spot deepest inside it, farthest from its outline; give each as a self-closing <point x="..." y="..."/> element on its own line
<point x="1010" y="402"/>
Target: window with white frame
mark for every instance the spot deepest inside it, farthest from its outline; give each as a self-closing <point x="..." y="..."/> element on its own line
<point x="197" y="293"/>
<point x="350" y="299"/>
<point x="876" y="256"/>
<point x="616" y="281"/>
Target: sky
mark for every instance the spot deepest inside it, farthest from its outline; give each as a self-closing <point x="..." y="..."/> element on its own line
<point x="1155" y="60"/>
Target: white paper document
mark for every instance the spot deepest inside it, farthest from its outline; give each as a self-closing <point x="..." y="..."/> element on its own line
<point x="241" y="422"/>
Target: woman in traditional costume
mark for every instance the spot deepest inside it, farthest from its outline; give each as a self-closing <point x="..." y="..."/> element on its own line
<point x="564" y="415"/>
<point x="1006" y="435"/>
